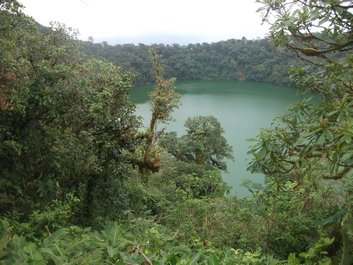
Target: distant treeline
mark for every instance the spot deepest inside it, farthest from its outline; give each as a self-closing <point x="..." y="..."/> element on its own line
<point x="254" y="60"/>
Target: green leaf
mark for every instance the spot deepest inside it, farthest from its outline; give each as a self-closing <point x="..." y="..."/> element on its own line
<point x="34" y="255"/>
<point x="172" y="259"/>
<point x="112" y="251"/>
<point x="213" y="260"/>
<point x="56" y="236"/>
<point x="58" y="260"/>
<point x="292" y="260"/>
<point x="195" y="258"/>
<point x="321" y="140"/>
<point x="335" y="217"/>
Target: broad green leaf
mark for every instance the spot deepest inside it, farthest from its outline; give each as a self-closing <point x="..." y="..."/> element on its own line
<point x="335" y="217"/>
<point x="292" y="260"/>
<point x="57" y="235"/>
<point x="213" y="260"/>
<point x="47" y="252"/>
<point x="194" y="259"/>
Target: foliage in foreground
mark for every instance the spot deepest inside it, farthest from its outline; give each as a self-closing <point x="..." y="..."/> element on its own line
<point x="67" y="125"/>
<point x="137" y="242"/>
<point x="69" y="142"/>
<point x="313" y="142"/>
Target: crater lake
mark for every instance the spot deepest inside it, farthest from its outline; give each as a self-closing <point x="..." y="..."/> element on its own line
<point x="242" y="108"/>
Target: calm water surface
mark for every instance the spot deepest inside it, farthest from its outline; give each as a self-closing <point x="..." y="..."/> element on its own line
<point x="241" y="107"/>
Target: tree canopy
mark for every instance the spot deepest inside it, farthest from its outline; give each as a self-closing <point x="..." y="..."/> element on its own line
<point x="67" y="124"/>
<point x="203" y="143"/>
<point x="70" y="191"/>
<point x="253" y="60"/>
<point x="312" y="142"/>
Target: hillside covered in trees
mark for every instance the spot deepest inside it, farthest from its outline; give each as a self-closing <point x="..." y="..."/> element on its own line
<point x="82" y="183"/>
<point x="254" y="60"/>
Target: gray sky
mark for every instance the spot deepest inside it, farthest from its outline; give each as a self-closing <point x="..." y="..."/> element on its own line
<point x="151" y="21"/>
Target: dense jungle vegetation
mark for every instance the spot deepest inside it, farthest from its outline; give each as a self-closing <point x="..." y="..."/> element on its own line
<point x="254" y="60"/>
<point x="82" y="183"/>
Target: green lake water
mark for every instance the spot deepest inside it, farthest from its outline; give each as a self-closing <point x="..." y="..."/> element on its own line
<point x="241" y="107"/>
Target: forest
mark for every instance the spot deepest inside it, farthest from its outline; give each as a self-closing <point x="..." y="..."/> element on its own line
<point x="253" y="60"/>
<point x="82" y="182"/>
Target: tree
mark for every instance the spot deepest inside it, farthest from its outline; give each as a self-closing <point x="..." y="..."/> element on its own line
<point x="313" y="142"/>
<point x="66" y="124"/>
<point x="316" y="28"/>
<point x="256" y="60"/>
<point x="164" y="99"/>
<point x="203" y="143"/>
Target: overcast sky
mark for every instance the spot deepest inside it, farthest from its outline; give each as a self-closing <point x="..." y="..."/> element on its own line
<point x="152" y="21"/>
